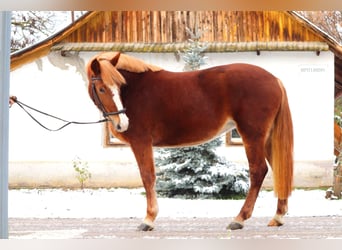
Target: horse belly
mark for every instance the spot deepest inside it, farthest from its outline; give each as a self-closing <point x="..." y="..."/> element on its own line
<point x="194" y="136"/>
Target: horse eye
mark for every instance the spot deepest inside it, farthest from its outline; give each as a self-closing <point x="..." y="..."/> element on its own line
<point x="102" y="90"/>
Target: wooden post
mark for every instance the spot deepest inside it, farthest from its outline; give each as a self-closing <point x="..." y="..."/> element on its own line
<point x="5" y="34"/>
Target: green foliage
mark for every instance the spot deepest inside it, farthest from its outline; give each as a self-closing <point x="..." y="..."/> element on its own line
<point x="82" y="171"/>
<point x="338" y="120"/>
<point x="338" y="110"/>
<point x="338" y="166"/>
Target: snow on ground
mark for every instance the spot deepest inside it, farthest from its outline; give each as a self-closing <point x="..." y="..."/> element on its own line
<point x="116" y="203"/>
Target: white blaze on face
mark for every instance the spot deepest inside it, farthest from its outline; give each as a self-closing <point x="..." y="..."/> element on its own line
<point x="123" y="119"/>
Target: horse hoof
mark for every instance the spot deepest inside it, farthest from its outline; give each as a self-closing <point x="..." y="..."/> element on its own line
<point x="275" y="223"/>
<point x="144" y="227"/>
<point x="235" y="225"/>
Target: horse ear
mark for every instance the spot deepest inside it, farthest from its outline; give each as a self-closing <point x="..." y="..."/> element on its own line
<point x="115" y="59"/>
<point x="95" y="67"/>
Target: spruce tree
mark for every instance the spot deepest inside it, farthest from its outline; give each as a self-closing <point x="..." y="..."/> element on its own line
<point x="191" y="172"/>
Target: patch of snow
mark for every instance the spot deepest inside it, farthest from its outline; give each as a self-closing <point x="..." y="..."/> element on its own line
<point x="121" y="203"/>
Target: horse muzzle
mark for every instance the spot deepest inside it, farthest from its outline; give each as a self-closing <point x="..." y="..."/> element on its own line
<point x="120" y="123"/>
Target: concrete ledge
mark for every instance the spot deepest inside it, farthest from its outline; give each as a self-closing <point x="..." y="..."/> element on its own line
<point x="62" y="175"/>
<point x="308" y="174"/>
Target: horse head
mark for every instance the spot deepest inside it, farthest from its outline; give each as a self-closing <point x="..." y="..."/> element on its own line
<point x="104" y="90"/>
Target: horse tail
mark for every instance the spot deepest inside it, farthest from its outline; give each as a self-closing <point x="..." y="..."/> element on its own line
<point x="282" y="149"/>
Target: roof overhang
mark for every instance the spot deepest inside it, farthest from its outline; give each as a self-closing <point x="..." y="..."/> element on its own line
<point x="42" y="48"/>
<point x="333" y="44"/>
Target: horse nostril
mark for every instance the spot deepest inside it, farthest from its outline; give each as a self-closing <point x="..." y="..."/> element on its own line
<point x="118" y="127"/>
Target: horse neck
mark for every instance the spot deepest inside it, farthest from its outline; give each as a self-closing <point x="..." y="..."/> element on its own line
<point x="134" y="81"/>
<point x="133" y="77"/>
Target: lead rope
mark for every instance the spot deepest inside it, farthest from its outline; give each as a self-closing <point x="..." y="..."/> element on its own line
<point x="23" y="105"/>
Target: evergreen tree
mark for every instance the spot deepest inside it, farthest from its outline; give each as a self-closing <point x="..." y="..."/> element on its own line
<point x="193" y="55"/>
<point x="191" y="172"/>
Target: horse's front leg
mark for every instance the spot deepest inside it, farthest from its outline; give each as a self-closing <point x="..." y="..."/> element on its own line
<point x="144" y="157"/>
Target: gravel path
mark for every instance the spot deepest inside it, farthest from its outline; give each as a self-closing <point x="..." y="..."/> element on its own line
<point x="322" y="227"/>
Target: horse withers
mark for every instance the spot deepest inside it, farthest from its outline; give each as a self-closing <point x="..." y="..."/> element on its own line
<point x="150" y="107"/>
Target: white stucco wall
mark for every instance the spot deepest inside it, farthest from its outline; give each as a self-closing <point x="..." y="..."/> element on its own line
<point x="56" y="85"/>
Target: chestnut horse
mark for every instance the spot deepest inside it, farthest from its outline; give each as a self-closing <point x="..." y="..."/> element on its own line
<point x="148" y="106"/>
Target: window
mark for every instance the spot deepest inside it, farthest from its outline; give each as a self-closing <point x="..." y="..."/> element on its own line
<point x="109" y="139"/>
<point x="233" y="138"/>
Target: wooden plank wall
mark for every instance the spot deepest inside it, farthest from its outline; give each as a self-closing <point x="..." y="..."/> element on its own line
<point x="169" y="26"/>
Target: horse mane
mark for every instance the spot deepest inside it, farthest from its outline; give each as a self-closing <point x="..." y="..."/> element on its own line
<point x="112" y="76"/>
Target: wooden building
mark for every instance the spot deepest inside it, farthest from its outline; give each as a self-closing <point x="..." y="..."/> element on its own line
<point x="158" y="36"/>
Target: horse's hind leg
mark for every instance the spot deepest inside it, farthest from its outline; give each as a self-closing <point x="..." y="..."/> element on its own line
<point x="277" y="220"/>
<point x="144" y="157"/>
<point x="257" y="171"/>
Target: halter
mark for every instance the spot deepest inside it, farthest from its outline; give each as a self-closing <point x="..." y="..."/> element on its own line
<point x="98" y="101"/>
